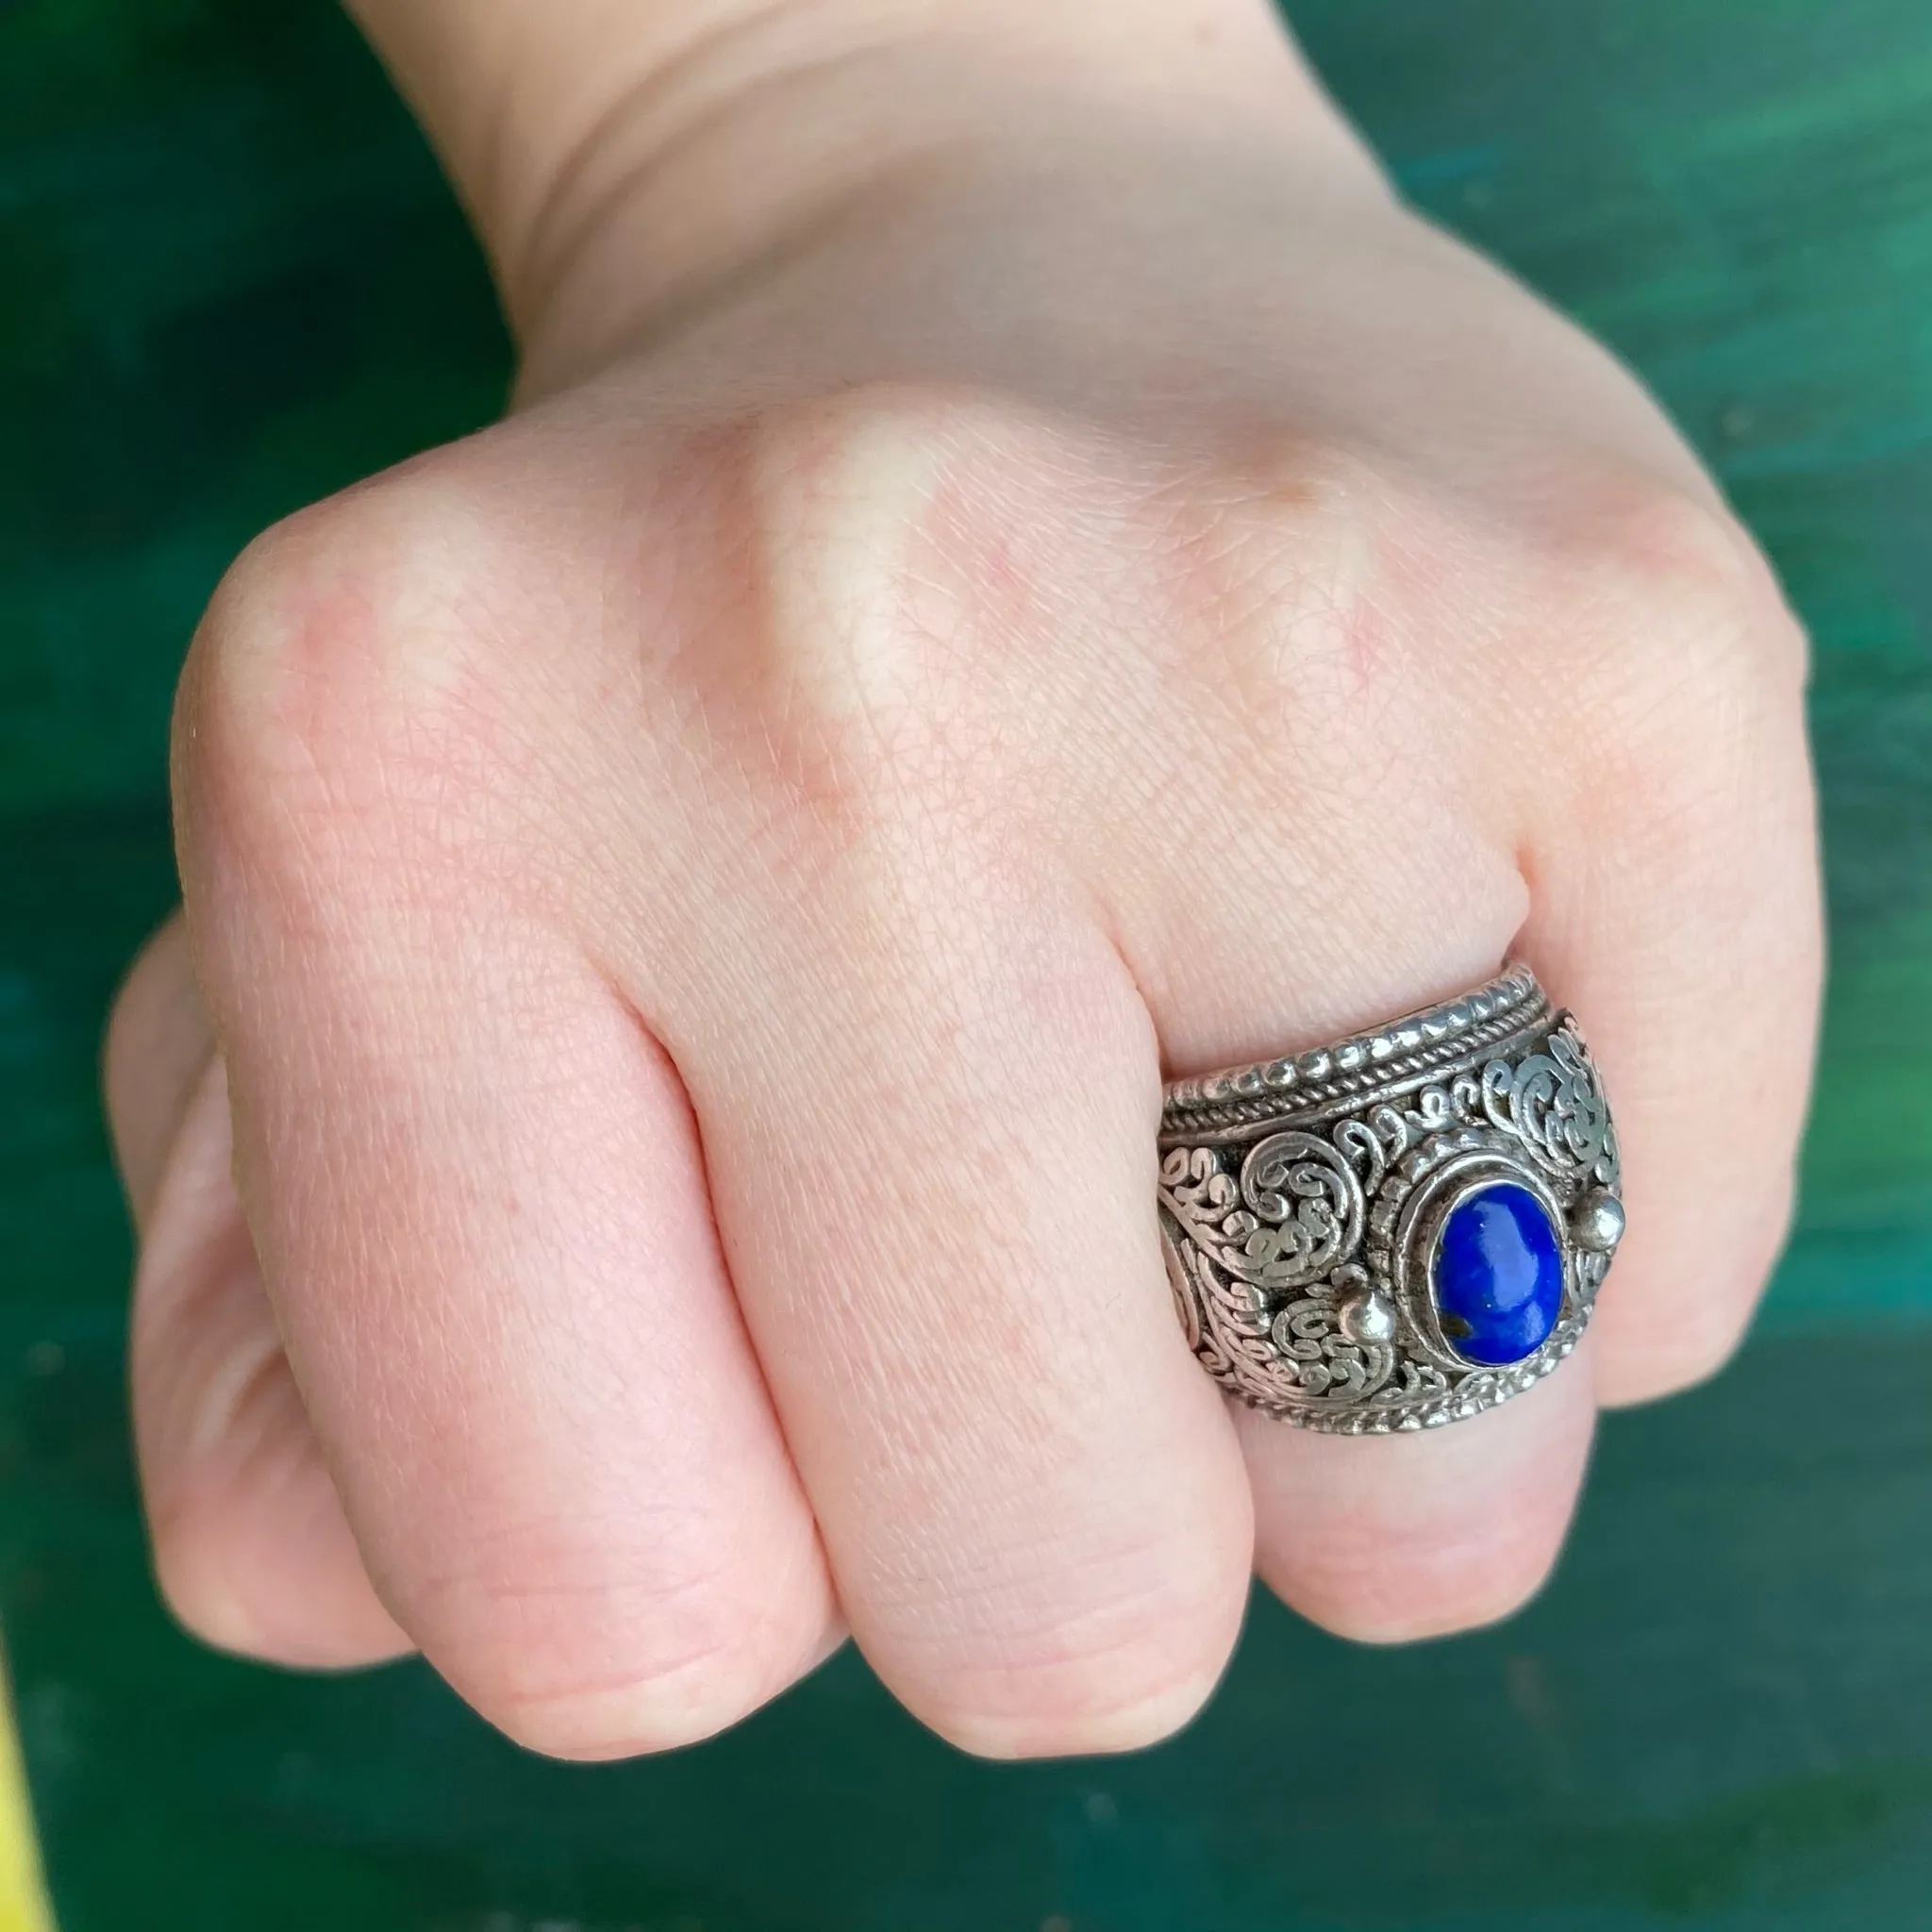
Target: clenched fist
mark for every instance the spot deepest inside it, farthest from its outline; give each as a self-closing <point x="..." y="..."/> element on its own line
<point x="1017" y="570"/>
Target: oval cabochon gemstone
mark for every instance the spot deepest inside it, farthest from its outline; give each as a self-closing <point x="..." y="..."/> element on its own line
<point x="1498" y="1275"/>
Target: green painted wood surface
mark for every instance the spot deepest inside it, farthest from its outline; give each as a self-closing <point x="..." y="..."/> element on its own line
<point x="229" y="280"/>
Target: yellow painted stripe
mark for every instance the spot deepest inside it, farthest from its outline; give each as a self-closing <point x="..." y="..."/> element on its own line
<point x="23" y="1891"/>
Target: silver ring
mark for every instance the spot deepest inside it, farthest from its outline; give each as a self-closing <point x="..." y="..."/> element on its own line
<point x="1400" y="1231"/>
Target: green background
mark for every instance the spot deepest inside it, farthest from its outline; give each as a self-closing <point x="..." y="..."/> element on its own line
<point x="231" y="281"/>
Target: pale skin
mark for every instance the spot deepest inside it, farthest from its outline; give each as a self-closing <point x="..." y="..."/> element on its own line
<point x="1017" y="568"/>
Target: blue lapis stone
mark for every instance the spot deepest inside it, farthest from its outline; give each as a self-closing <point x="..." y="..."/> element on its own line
<point x="1498" y="1275"/>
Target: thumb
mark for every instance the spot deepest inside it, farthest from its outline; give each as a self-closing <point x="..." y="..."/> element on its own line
<point x="251" y="1547"/>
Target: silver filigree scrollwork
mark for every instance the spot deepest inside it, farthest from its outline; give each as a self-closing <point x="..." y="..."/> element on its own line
<point x="1276" y="1309"/>
<point x="1303" y="1210"/>
<point x="1299" y="1201"/>
<point x="1554" y="1101"/>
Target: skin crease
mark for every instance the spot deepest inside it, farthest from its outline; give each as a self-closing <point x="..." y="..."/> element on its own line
<point x="1018" y="570"/>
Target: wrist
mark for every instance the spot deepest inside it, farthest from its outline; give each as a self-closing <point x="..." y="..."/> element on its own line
<point x="688" y="140"/>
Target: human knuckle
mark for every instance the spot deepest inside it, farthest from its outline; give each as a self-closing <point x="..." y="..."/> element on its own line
<point x="622" y="1714"/>
<point x="154" y="1022"/>
<point x="1069" y="1715"/>
<point x="1104" y="1682"/>
<point x="1499" y="1591"/>
<point x="956" y="583"/>
<point x="1673" y="723"/>
<point x="341" y="659"/>
<point x="1674" y="550"/>
<point x="1422" y="1590"/>
<point x="1761" y="1222"/>
<point x="913" y="544"/>
<point x="607" y="1665"/>
<point x="1691" y="612"/>
<point x="1280" y="563"/>
<point x="201" y="1566"/>
<point x="1642" y="1358"/>
<point x="1649" y="1368"/>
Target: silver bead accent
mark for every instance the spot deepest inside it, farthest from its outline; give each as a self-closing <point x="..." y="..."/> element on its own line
<point x="1368" y="1320"/>
<point x="1596" y="1222"/>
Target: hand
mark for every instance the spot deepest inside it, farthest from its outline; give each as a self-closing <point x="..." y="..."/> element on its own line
<point x="690" y="894"/>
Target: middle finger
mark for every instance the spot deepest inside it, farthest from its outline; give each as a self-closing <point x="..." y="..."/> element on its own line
<point x="929" y="1144"/>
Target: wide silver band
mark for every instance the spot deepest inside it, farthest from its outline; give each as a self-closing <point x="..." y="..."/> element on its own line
<point x="1306" y="1205"/>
